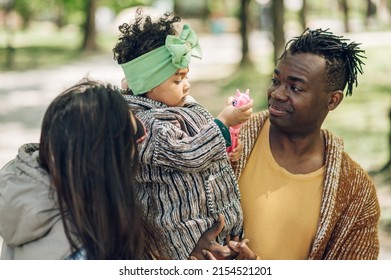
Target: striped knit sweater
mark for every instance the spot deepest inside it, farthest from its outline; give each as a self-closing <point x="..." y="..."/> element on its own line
<point x="350" y="208"/>
<point x="185" y="178"/>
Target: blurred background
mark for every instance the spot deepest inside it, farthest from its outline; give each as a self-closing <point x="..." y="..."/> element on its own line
<point x="48" y="45"/>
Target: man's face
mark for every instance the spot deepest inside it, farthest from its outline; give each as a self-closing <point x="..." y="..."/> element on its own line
<point x="296" y="96"/>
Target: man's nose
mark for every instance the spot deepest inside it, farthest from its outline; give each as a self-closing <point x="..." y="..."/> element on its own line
<point x="280" y="93"/>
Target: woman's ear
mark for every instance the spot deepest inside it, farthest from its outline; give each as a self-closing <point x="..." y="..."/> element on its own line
<point x="335" y="99"/>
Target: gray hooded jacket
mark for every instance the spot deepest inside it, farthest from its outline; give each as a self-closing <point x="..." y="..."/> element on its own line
<point x="30" y="222"/>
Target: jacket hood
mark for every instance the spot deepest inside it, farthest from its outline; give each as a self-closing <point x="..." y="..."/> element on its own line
<point x="28" y="210"/>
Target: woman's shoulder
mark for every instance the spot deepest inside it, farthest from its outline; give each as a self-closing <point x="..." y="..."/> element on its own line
<point x="80" y="254"/>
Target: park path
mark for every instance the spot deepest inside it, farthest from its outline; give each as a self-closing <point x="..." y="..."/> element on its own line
<point x="24" y="96"/>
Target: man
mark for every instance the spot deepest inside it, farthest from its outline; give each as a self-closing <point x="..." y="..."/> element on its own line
<point x="303" y="197"/>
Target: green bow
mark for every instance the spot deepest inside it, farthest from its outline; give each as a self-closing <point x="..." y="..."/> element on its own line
<point x="182" y="48"/>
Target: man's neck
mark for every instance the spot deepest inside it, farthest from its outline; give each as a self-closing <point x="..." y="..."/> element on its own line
<point x="297" y="153"/>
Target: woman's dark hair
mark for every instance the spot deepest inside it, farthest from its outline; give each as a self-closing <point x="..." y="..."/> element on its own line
<point x="343" y="59"/>
<point x="88" y="146"/>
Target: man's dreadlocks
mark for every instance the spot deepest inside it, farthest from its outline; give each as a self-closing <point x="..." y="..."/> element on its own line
<point x="343" y="59"/>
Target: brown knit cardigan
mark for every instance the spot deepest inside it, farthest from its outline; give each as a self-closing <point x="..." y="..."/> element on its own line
<point x="350" y="208"/>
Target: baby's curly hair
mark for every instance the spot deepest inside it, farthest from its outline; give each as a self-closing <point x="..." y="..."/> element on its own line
<point x="143" y="35"/>
<point x="343" y="58"/>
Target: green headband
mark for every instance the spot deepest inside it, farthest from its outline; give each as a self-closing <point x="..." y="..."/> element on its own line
<point x="153" y="68"/>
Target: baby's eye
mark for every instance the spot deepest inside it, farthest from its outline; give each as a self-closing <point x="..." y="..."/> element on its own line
<point x="274" y="81"/>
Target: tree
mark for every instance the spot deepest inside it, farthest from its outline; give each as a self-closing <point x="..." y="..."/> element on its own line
<point x="345" y="10"/>
<point x="387" y="166"/>
<point x="370" y="12"/>
<point x="89" y="39"/>
<point x="278" y="10"/>
<point x="303" y="14"/>
<point x="177" y="7"/>
<point x="8" y="6"/>
<point x="244" y="30"/>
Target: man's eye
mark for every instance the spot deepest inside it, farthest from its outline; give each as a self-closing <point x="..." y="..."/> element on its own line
<point x="295" y="89"/>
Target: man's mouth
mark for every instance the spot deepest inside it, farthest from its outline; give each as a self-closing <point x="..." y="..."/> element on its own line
<point x="278" y="110"/>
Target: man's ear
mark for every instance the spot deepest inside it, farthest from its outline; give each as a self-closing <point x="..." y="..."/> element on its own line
<point x="335" y="99"/>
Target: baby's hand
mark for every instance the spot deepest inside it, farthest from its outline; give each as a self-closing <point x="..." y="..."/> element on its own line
<point x="236" y="152"/>
<point x="231" y="115"/>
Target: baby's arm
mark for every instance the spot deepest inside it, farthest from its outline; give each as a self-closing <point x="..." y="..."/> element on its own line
<point x="233" y="116"/>
<point x="170" y="145"/>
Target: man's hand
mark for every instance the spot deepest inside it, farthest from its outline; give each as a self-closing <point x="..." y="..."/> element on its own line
<point x="244" y="252"/>
<point x="208" y="248"/>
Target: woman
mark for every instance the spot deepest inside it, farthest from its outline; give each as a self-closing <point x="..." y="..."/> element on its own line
<point x="86" y="158"/>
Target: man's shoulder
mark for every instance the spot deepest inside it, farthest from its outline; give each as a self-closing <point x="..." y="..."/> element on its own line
<point x="255" y="123"/>
<point x="354" y="172"/>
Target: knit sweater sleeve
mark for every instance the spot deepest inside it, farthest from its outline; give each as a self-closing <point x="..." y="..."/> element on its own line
<point x="355" y="236"/>
<point x="171" y="146"/>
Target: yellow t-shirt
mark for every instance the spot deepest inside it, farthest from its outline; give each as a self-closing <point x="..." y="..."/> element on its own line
<point x="281" y="209"/>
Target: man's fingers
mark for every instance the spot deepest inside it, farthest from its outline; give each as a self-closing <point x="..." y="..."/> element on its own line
<point x="208" y="255"/>
<point x="217" y="227"/>
<point x="244" y="252"/>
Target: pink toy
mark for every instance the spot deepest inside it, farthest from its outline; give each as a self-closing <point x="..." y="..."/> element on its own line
<point x="240" y="99"/>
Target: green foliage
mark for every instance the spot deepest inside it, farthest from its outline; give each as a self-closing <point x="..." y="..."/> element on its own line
<point x="40" y="48"/>
<point x="120" y="5"/>
<point x="247" y="77"/>
<point x="362" y="119"/>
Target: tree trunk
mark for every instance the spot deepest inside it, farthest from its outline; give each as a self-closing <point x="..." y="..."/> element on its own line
<point x="345" y="11"/>
<point x="89" y="41"/>
<point x="9" y="48"/>
<point x="303" y="14"/>
<point x="278" y="9"/>
<point x="60" y="14"/>
<point x="177" y="7"/>
<point x="385" y="169"/>
<point x="387" y="166"/>
<point x="244" y="26"/>
<point x="370" y="13"/>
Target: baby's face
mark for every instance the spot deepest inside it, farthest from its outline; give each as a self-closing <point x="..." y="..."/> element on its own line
<point x="172" y="91"/>
<point x="124" y="83"/>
